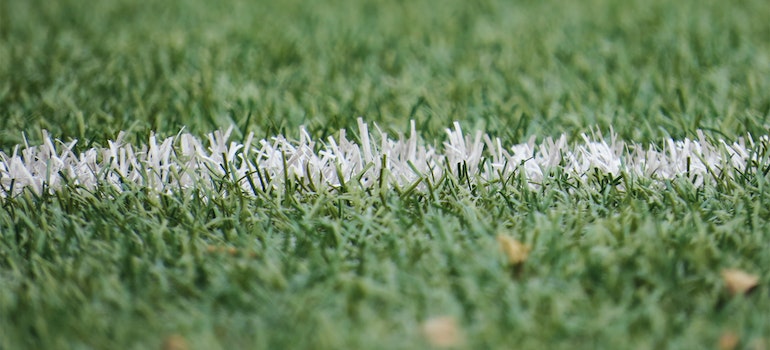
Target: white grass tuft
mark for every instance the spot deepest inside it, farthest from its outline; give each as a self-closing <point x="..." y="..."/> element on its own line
<point x="185" y="161"/>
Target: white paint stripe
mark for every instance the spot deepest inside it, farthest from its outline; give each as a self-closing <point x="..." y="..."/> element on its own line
<point x="184" y="161"/>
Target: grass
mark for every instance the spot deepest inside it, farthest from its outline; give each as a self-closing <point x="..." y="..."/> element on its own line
<point x="608" y="268"/>
<point x="513" y="68"/>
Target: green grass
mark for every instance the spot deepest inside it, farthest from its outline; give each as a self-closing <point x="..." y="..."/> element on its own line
<point x="513" y="68"/>
<point x="609" y="268"/>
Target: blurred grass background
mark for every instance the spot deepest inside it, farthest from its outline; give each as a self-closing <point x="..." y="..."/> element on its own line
<point x="649" y="69"/>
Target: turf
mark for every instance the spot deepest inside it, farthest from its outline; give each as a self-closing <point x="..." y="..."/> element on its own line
<point x="610" y="266"/>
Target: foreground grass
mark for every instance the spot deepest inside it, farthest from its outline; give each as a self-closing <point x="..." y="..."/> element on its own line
<point x="295" y="269"/>
<point x="607" y="268"/>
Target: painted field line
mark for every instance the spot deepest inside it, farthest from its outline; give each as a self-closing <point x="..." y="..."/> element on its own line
<point x="184" y="161"/>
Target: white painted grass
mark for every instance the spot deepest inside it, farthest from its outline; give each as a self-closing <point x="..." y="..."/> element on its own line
<point x="186" y="161"/>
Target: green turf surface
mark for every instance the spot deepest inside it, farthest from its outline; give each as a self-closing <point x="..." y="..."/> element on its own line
<point x="363" y="269"/>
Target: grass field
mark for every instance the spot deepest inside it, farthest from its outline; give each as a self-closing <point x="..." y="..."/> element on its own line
<point x="615" y="260"/>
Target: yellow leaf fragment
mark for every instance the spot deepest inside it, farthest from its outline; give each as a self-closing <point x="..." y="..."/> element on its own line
<point x="442" y="332"/>
<point x="214" y="249"/>
<point x="175" y="342"/>
<point x="516" y="252"/>
<point x="738" y="281"/>
<point x="729" y="341"/>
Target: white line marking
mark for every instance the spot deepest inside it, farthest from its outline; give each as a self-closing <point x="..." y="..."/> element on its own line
<point x="184" y="161"/>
